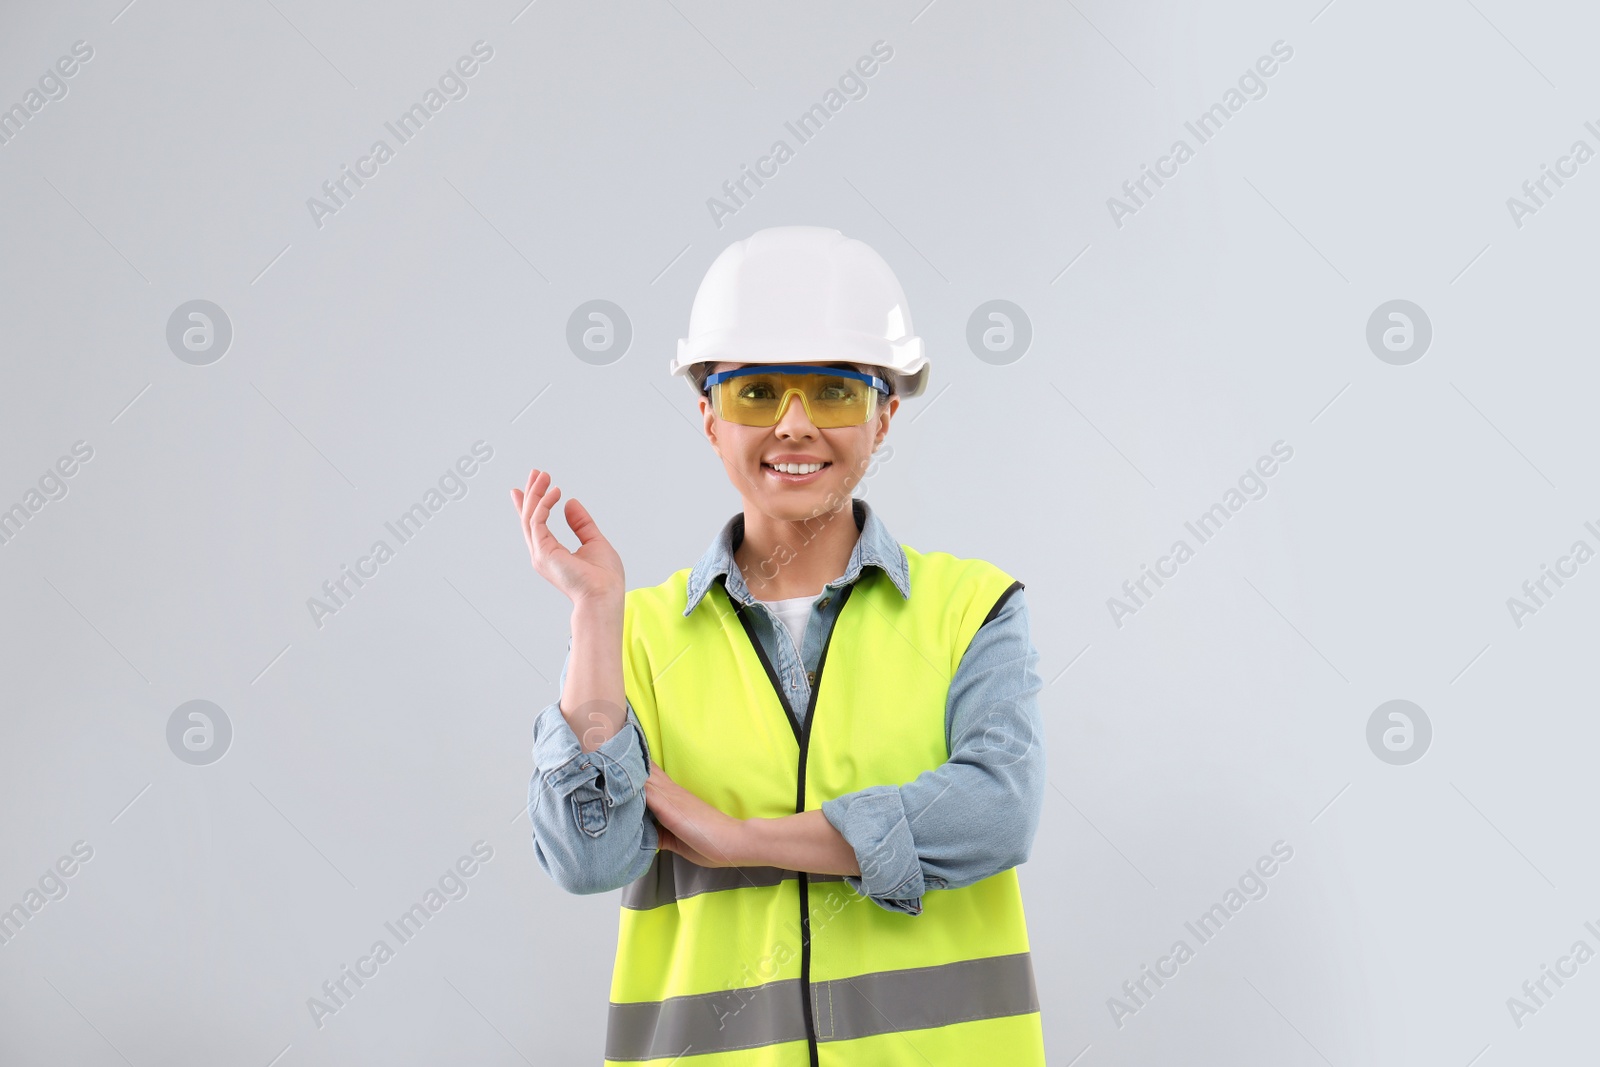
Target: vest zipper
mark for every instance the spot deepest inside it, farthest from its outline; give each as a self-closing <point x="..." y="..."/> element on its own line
<point x="802" y="735"/>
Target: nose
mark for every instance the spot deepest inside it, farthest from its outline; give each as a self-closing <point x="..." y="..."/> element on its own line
<point x="793" y="421"/>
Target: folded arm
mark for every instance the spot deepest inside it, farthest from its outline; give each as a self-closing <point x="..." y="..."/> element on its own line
<point x="971" y="817"/>
<point x="710" y="837"/>
<point x="976" y="814"/>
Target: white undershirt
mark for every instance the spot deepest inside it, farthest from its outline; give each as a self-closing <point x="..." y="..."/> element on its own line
<point x="795" y="614"/>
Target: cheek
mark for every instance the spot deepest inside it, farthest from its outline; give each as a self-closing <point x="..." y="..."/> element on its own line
<point x="739" y="447"/>
<point x="853" y="453"/>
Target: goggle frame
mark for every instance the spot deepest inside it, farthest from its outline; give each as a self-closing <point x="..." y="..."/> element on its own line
<point x="877" y="383"/>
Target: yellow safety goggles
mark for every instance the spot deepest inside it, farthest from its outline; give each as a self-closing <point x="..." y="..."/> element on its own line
<point x="832" y="396"/>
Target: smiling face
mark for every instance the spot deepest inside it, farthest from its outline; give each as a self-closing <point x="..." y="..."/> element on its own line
<point x="755" y="457"/>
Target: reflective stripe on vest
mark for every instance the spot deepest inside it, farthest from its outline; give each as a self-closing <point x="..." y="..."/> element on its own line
<point x="756" y="965"/>
<point x="845" y="1008"/>
<point x="672" y="877"/>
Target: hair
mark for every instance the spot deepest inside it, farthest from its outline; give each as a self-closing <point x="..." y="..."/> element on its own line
<point x="882" y="372"/>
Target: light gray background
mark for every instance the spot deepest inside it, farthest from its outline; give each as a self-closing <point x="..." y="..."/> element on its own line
<point x="431" y="312"/>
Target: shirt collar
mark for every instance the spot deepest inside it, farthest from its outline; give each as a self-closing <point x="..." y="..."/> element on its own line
<point x="874" y="547"/>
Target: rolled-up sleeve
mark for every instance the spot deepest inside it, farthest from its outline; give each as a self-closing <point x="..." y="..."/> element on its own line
<point x="977" y="813"/>
<point x="591" y="828"/>
<point x="874" y="821"/>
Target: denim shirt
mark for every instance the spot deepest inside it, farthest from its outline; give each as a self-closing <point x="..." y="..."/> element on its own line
<point x="971" y="817"/>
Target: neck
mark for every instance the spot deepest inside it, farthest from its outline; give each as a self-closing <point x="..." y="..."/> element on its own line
<point x="781" y="558"/>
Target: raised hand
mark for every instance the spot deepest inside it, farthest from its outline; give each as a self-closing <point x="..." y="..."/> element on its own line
<point x="591" y="574"/>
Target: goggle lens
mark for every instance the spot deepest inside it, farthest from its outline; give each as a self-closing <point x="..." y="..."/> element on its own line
<point x="831" y="399"/>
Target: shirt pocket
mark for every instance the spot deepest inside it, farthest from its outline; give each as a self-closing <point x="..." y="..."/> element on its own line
<point x="589" y="804"/>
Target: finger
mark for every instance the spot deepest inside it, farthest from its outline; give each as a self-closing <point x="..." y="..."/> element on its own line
<point x="517" y="495"/>
<point x="679" y="819"/>
<point x="582" y="523"/>
<point x="669" y="811"/>
<point x="655" y="791"/>
<point x="657" y="807"/>
<point x="545" y="543"/>
<point x="531" y="494"/>
<point x="669" y="840"/>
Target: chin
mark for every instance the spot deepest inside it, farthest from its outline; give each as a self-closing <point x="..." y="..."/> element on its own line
<point x="794" y="503"/>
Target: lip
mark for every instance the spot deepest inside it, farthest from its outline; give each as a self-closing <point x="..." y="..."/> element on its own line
<point x="795" y="479"/>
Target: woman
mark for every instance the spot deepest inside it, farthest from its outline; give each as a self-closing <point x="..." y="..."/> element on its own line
<point x="816" y="736"/>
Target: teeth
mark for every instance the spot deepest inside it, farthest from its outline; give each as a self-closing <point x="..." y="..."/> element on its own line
<point x="797" y="468"/>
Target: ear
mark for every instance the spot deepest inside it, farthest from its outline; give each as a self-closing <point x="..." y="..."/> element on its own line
<point x="884" y="417"/>
<point x="708" y="424"/>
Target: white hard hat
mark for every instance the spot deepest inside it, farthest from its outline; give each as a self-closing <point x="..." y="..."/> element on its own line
<point x="802" y="294"/>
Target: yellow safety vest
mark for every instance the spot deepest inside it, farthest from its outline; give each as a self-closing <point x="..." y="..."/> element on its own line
<point x="762" y="966"/>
